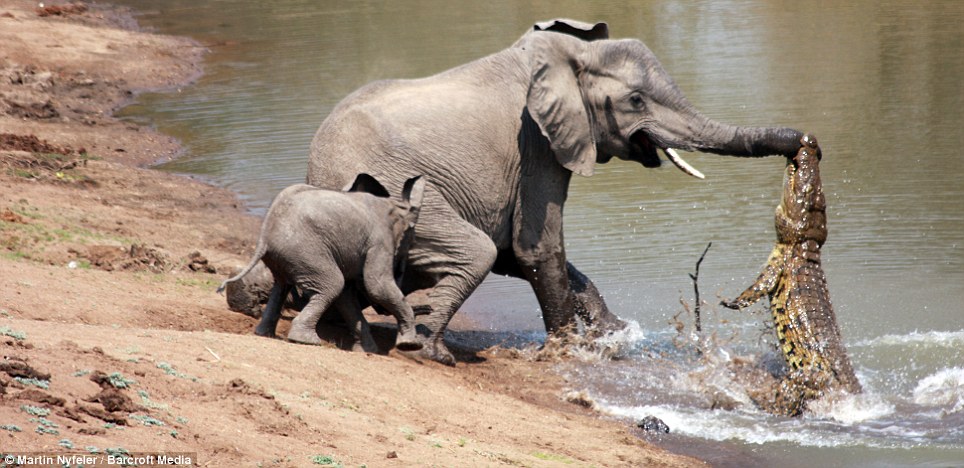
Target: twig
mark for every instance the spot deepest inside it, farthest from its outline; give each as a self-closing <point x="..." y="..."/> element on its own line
<point x="213" y="354"/>
<point x="696" y="288"/>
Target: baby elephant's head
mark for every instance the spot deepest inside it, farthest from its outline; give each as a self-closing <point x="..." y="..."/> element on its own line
<point x="403" y="213"/>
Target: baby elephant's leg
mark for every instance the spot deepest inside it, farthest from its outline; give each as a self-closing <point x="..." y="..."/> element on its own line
<point x="383" y="291"/>
<point x="348" y="307"/>
<point x="303" y="326"/>
<point x="272" y="311"/>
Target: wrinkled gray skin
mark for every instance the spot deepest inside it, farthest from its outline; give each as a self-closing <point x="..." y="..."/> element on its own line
<point x="498" y="140"/>
<point x="330" y="246"/>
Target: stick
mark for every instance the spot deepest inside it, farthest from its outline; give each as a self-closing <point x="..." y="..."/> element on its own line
<point x="213" y="353"/>
<point x="696" y="288"/>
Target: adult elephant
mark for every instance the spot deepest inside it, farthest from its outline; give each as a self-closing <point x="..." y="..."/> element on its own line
<point x="498" y="140"/>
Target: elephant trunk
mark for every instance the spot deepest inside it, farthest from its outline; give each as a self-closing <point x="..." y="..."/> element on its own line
<point x="720" y="138"/>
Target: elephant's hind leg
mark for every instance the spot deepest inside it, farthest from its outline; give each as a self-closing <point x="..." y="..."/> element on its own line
<point x="460" y="259"/>
<point x="303" y="326"/>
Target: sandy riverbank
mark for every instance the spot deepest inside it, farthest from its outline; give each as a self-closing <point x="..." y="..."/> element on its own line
<point x="107" y="266"/>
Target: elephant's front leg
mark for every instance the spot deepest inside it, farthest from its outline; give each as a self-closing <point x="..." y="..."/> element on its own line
<point x="590" y="305"/>
<point x="272" y="311"/>
<point x="537" y="242"/>
<point x="350" y="310"/>
<point x="541" y="255"/>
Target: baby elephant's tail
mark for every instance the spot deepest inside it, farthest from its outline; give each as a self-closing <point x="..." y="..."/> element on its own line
<point x="262" y="246"/>
<point x="258" y="253"/>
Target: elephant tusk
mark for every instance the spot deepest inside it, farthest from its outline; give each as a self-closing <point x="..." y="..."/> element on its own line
<point x="683" y="165"/>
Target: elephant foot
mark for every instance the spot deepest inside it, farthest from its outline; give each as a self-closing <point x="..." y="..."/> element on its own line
<point x="304" y="336"/>
<point x="435" y="351"/>
<point x="265" y="333"/>
<point x="407" y="340"/>
<point x="601" y="329"/>
<point x="408" y="345"/>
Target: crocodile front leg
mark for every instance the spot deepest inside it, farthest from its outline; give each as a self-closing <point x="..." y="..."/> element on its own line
<point x="766" y="283"/>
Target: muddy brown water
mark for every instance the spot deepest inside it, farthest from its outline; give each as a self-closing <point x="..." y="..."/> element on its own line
<point x="879" y="83"/>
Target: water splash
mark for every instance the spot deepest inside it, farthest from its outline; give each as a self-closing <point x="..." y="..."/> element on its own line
<point x="947" y="339"/>
<point x="944" y="388"/>
<point x="852" y="409"/>
<point x="704" y="395"/>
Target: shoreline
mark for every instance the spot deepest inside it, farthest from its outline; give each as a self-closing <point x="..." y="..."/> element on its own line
<point x="107" y="268"/>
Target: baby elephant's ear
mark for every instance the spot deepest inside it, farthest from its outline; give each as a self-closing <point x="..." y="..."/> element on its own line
<point x="413" y="191"/>
<point x="367" y="183"/>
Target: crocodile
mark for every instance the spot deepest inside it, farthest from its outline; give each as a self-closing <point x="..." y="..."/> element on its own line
<point x="795" y="284"/>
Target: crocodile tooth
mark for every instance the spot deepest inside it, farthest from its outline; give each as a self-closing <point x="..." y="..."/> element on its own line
<point x="682" y="165"/>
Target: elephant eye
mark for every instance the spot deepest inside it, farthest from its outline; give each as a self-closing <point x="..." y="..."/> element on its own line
<point x="636" y="100"/>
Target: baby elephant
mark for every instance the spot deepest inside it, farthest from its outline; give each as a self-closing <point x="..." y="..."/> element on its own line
<point x="328" y="244"/>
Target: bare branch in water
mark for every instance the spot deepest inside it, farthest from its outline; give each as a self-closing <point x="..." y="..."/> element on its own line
<point x="696" y="288"/>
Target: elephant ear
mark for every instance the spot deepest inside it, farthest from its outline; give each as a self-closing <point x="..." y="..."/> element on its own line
<point x="584" y="31"/>
<point x="368" y="184"/>
<point x="412" y="193"/>
<point x="555" y="100"/>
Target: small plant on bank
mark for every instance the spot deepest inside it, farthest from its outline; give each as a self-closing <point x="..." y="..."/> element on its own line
<point x="15" y="334"/>
<point x="45" y="426"/>
<point x="119" y="381"/>
<point x="325" y="460"/>
<point x="44" y="384"/>
<point x="147" y="420"/>
<point x="35" y="410"/>
<point x="169" y="370"/>
<point x="11" y="428"/>
<point x="146" y="401"/>
<point x="553" y="457"/>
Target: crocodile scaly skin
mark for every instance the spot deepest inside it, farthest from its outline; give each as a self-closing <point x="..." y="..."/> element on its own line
<point x="794" y="281"/>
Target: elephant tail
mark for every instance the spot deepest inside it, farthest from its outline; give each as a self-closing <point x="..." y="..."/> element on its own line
<point x="262" y="246"/>
<point x="258" y="253"/>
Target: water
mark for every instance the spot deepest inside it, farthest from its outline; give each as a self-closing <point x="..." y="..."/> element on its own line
<point x="879" y="83"/>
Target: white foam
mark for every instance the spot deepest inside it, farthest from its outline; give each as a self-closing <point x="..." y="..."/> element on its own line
<point x="943" y="388"/>
<point x="617" y="344"/>
<point x="851" y="409"/>
<point x="735" y="425"/>
<point x="629" y="335"/>
<point x="930" y="338"/>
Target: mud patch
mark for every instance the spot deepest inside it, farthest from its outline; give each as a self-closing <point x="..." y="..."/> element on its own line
<point x="75" y="8"/>
<point x="17" y="367"/>
<point x="33" y="144"/>
<point x="198" y="262"/>
<point x="29" y="157"/>
<point x="137" y="257"/>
